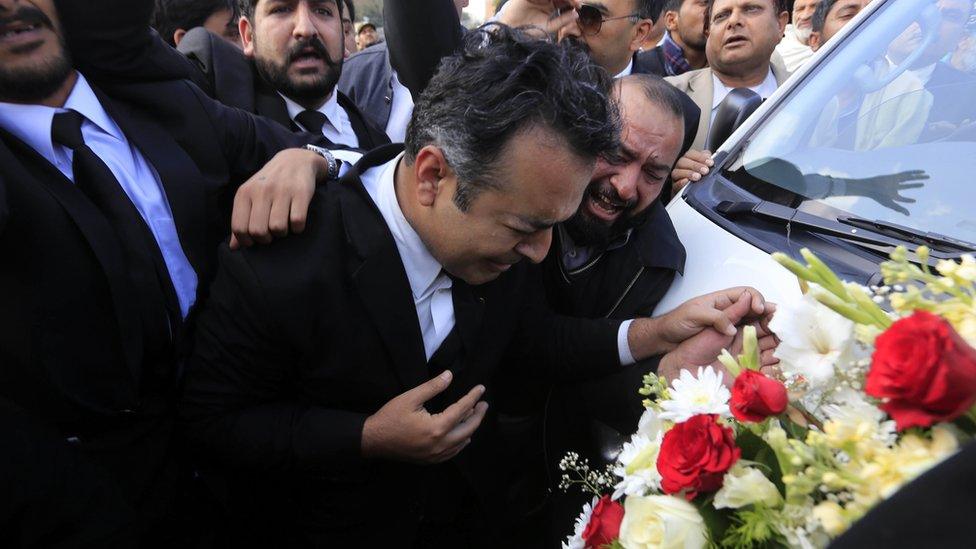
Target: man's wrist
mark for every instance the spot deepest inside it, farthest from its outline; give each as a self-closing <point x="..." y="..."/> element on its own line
<point x="328" y="165"/>
<point x="644" y="337"/>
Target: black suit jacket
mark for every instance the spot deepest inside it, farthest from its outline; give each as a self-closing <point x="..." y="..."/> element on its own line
<point x="72" y="350"/>
<point x="302" y="340"/>
<point x="233" y="81"/>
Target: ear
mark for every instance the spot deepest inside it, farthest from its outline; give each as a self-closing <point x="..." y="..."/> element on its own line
<point x="784" y="19"/>
<point x="178" y="35"/>
<point x="643" y="30"/>
<point x="814" y="41"/>
<point x="247" y="36"/>
<point x="671" y="20"/>
<point x="430" y="169"/>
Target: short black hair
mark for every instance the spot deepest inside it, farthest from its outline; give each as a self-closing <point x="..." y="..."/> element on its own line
<point x="649" y="9"/>
<point x="672" y="5"/>
<point x="172" y="15"/>
<point x="246" y="7"/>
<point x="820" y="15"/>
<point x="501" y="82"/>
<point x="779" y="5"/>
<point x="350" y="9"/>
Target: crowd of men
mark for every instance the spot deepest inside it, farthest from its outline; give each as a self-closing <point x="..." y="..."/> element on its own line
<point x="259" y="290"/>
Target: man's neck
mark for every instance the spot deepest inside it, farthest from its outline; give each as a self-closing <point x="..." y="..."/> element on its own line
<point x="748" y="79"/>
<point x="55" y="100"/>
<point x="621" y="66"/>
<point x="313" y="104"/>
<point x="695" y="58"/>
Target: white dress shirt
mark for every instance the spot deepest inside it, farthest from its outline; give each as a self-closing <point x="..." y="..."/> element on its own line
<point x="429" y="283"/>
<point x="32" y="125"/>
<point x="764" y="89"/>
<point x="401" y="109"/>
<point x="337" y="128"/>
<point x="793" y="52"/>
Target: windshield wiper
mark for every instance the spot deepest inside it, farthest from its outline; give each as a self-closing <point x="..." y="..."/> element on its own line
<point x="877" y="235"/>
<point x="935" y="241"/>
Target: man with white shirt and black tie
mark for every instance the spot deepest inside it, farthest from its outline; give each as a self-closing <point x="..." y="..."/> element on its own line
<point x="292" y="60"/>
<point x="112" y="204"/>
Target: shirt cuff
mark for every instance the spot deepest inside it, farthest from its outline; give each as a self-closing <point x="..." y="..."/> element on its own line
<point x="623" y="347"/>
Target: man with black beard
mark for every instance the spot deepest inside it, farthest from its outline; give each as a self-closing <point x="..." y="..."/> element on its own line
<point x="292" y="60"/>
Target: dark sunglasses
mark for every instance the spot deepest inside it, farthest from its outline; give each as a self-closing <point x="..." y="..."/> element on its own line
<point x="591" y="20"/>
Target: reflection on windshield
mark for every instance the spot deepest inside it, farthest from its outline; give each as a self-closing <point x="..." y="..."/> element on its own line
<point x="894" y="106"/>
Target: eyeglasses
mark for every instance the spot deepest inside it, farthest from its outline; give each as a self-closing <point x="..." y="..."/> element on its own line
<point x="591" y="20"/>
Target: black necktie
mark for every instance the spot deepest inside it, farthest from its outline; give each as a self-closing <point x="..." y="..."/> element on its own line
<point x="147" y="270"/>
<point x="312" y="121"/>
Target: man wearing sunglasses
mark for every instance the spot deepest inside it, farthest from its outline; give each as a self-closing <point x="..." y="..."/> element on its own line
<point x="613" y="31"/>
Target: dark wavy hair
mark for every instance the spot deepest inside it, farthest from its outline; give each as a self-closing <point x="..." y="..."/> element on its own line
<point x="501" y="82"/>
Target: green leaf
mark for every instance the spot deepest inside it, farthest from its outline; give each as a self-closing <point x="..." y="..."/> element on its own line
<point x="756" y="449"/>
<point x="716" y="520"/>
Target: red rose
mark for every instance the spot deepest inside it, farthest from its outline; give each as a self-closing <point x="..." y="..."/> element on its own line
<point x="695" y="455"/>
<point x="923" y="371"/>
<point x="604" y="526"/>
<point x="756" y="397"/>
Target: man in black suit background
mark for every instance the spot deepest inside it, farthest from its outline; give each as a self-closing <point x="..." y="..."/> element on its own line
<point x="343" y="374"/>
<point x="114" y="198"/>
<point x="292" y="60"/>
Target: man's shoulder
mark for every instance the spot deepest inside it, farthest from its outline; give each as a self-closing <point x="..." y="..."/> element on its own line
<point x="684" y="82"/>
<point x="656" y="241"/>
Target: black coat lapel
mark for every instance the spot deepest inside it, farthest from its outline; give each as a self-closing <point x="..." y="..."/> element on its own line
<point x="269" y="104"/>
<point x="102" y="240"/>
<point x="379" y="276"/>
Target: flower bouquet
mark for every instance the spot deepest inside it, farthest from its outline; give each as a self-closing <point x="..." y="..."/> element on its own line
<point x="868" y="400"/>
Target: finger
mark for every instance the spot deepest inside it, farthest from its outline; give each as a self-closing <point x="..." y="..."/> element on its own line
<point x="465" y="430"/>
<point x="455" y="413"/>
<point x="420" y="394"/>
<point x="679" y="174"/>
<point x="298" y="216"/>
<point x="904" y="199"/>
<point x="451" y="452"/>
<point x="757" y="301"/>
<point x="737" y="311"/>
<point x="768" y="358"/>
<point x="562" y="21"/>
<point x="908" y="186"/>
<point x="767" y="343"/>
<point x="234" y="243"/>
<point x="257" y="227"/>
<point x="716" y="319"/>
<point x="771" y="371"/>
<point x="241" y="215"/>
<point x="279" y="218"/>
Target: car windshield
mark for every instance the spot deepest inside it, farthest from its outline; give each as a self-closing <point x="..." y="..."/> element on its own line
<point x="885" y="129"/>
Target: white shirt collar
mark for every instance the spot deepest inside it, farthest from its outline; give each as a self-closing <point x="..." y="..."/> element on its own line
<point x="423" y="271"/>
<point x="764" y="89"/>
<point x="32" y="123"/>
<point x="330" y="109"/>
<point x="627" y="71"/>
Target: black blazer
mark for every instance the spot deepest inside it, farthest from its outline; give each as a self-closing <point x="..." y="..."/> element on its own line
<point x="234" y="81"/>
<point x="72" y="350"/>
<point x="302" y="340"/>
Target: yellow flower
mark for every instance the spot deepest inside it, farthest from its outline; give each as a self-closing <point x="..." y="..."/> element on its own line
<point x="665" y="522"/>
<point x="745" y="486"/>
<point x="831" y="517"/>
<point x="913" y="455"/>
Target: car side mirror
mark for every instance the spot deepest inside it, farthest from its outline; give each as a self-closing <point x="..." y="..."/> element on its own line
<point x="738" y="105"/>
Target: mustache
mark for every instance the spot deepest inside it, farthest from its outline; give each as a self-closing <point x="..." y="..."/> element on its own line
<point x="316" y="45"/>
<point x="609" y="193"/>
<point x="27" y="15"/>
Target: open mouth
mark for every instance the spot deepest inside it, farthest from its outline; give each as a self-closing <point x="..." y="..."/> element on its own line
<point x="19" y="32"/>
<point x="605" y="205"/>
<point x="736" y="40"/>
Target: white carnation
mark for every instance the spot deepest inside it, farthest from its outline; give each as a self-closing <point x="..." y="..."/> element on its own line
<point x="694" y="395"/>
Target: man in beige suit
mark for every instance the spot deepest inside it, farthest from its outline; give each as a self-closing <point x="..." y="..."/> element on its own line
<point x="742" y="36"/>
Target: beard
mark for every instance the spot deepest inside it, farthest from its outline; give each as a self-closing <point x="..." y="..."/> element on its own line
<point x="587" y="230"/>
<point x="316" y="89"/>
<point x="35" y="83"/>
<point x="803" y="35"/>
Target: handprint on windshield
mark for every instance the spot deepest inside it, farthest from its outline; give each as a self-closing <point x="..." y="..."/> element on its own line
<point x="884" y="189"/>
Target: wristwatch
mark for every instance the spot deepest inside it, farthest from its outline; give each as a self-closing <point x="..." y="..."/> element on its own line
<point x="329" y="157"/>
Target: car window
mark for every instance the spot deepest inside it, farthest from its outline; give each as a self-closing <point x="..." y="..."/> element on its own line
<point x="885" y="128"/>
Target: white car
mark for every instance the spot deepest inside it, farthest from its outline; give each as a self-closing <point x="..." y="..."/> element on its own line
<point x="871" y="145"/>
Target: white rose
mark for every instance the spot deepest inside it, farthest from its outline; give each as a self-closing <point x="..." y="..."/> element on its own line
<point x="746" y="486"/>
<point x="661" y="521"/>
